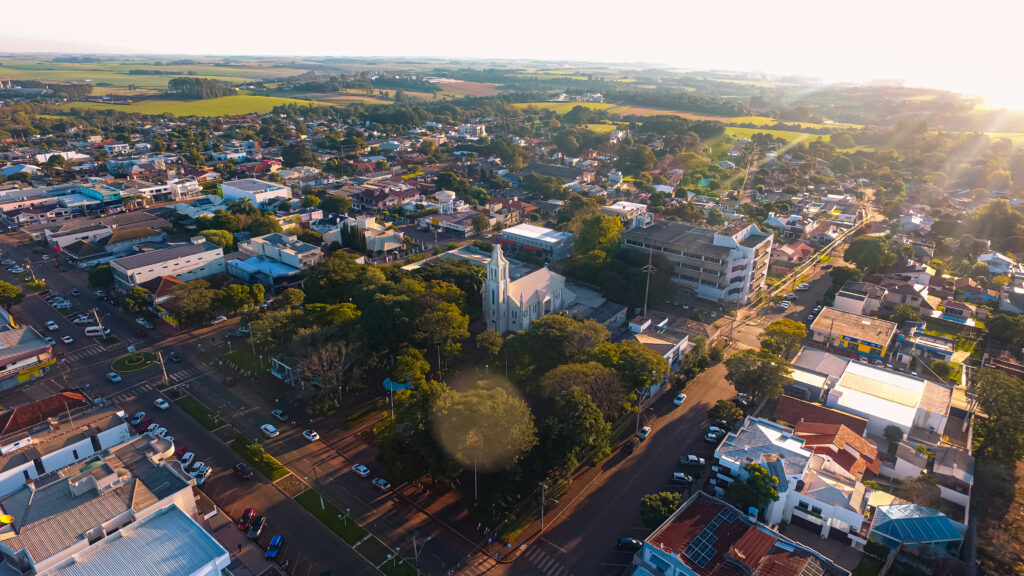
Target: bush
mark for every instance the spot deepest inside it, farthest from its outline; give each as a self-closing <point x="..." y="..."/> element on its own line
<point x="877" y="550"/>
<point x="716" y="354"/>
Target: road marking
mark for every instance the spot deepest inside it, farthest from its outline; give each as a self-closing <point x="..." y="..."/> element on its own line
<point x="547" y="561"/>
<point x="561" y="569"/>
<point x="555" y="546"/>
<point x="531" y="553"/>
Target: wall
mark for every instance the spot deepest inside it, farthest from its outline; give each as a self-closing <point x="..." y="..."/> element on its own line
<point x="68" y="455"/>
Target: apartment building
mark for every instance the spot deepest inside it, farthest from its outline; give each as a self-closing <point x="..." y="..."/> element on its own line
<point x="727" y="265"/>
<point x="274" y="260"/>
<point x="256" y="191"/>
<point x="197" y="259"/>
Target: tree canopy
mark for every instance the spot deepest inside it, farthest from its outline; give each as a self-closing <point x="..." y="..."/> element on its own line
<point x="656" y="508"/>
<point x="782" y="336"/>
<point x="758" y="373"/>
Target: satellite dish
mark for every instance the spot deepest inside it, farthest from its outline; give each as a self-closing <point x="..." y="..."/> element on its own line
<point x="6" y="519"/>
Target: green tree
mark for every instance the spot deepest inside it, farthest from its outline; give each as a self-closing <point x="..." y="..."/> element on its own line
<point x="298" y="154"/>
<point x="904" y="312"/>
<point x="9" y="295"/>
<point x="410" y="367"/>
<point x="333" y="204"/>
<point x="410" y="450"/>
<point x="893" y="433"/>
<point x="1001" y="397"/>
<point x="194" y="302"/>
<point x="640" y="366"/>
<point x="602" y="384"/>
<point x="101" y="276"/>
<point x="234" y="297"/>
<point x="725" y="410"/>
<point x="443" y="326"/>
<point x="942" y="368"/>
<point x="758" y="489"/>
<point x="221" y="238"/>
<point x="258" y="293"/>
<point x="481" y="223"/>
<point x="136" y="299"/>
<point x="310" y="201"/>
<point x="289" y="298"/>
<point x="869" y="253"/>
<point x="782" y="337"/>
<point x="842" y="274"/>
<point x="598" y="232"/>
<point x="491" y="428"/>
<point x="758" y="373"/>
<point x="263" y="226"/>
<point x="578" y="428"/>
<point x="551" y="341"/>
<point x="656" y="508"/>
<point x="489" y="343"/>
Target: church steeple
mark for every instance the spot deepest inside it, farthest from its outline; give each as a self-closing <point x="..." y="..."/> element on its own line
<point x="496" y="292"/>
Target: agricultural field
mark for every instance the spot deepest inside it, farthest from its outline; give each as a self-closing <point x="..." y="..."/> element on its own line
<point x="626" y="110"/>
<point x="463" y="88"/>
<point x="791" y="137"/>
<point x="562" y="107"/>
<point x="600" y="128"/>
<point x="226" y="106"/>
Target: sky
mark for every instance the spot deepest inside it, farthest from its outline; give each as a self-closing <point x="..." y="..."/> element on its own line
<point x="968" y="47"/>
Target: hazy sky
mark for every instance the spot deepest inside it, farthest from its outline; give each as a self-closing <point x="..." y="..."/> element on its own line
<point x="965" y="46"/>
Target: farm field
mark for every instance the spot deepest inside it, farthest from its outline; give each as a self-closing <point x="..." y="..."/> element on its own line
<point x="792" y="137"/>
<point x="226" y="106"/>
<point x="561" y="107"/>
<point x="463" y="88"/>
<point x="600" y="128"/>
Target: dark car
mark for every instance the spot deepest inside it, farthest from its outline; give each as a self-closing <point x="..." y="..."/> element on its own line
<point x="631" y="445"/>
<point x="629" y="544"/>
<point x="141" y="333"/>
<point x="246" y="520"/>
<point x="257" y="527"/>
<point x="143" y="424"/>
<point x="243" y="470"/>
<point x="75" y="292"/>
<point x="174" y="357"/>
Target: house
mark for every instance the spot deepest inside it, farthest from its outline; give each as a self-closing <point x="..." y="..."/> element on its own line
<point x="786" y="257"/>
<point x="258" y="192"/>
<point x="959" y="312"/>
<point x="197" y="259"/>
<point x="511" y="305"/>
<point x="862" y="298"/>
<point x="861" y="334"/>
<point x="725" y="265"/>
<point x="904" y="292"/>
<point x="917" y="527"/>
<point x="14" y="170"/>
<point x="551" y="244"/>
<point x="924" y="346"/>
<point x="916" y="223"/>
<point x="967" y="289"/>
<point x="667" y="342"/>
<point x="823" y="233"/>
<point x="908" y="271"/>
<point x="275" y="260"/>
<point x="117" y="148"/>
<point x="998" y="264"/>
<point x="708" y="537"/>
<point x="790" y="226"/>
<point x="365" y="235"/>
<point x="625" y="211"/>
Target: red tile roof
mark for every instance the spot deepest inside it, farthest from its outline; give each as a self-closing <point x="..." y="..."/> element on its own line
<point x="793" y="411"/>
<point x="29" y="415"/>
<point x="751" y="547"/>
<point x="833" y="441"/>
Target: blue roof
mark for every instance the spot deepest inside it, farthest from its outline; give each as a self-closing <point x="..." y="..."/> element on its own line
<point x="392" y="386"/>
<point x="166" y="542"/>
<point x="911" y="523"/>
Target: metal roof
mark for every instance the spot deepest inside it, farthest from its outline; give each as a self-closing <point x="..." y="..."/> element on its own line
<point x="912" y="523"/>
<point x="144" y="259"/>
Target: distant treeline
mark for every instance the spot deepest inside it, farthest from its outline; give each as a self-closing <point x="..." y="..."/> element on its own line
<point x="198" y="88"/>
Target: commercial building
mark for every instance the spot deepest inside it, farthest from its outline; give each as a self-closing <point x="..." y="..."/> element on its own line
<point x="861" y="298"/>
<point x="707" y="537"/>
<point x="256" y="191"/>
<point x="275" y="260"/>
<point x="727" y="265"/>
<point x="552" y="244"/>
<point x="861" y="334"/>
<point x="625" y="211"/>
<point x="197" y="259"/>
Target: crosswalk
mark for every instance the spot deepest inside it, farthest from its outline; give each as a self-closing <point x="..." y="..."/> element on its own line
<point x="93" y="350"/>
<point x="185" y="374"/>
<point x="130" y="393"/>
<point x="545" y="562"/>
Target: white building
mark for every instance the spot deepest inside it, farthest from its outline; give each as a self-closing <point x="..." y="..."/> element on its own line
<point x="275" y="261"/>
<point x="625" y="211"/>
<point x="552" y="244"/>
<point x="197" y="259"/>
<point x="510" y="305"/>
<point x="256" y="191"/>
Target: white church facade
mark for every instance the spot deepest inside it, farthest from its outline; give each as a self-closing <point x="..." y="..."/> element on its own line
<point x="511" y="305"/>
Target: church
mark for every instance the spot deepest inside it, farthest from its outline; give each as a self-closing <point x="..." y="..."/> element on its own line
<point x="511" y="305"/>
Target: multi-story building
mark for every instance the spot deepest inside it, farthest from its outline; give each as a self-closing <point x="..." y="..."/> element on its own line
<point x="197" y="259"/>
<point x="625" y="211"/>
<point x="258" y="192"/>
<point x="275" y="261"/>
<point x="727" y="265"/>
<point x="552" y="244"/>
<point x="861" y="334"/>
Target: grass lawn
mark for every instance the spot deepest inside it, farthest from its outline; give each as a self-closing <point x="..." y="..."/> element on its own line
<point x="600" y="128"/>
<point x="793" y="137"/>
<point x="226" y="106"/>
<point x="868" y="567"/>
<point x="199" y="412"/>
<point x="245" y="360"/>
<point x="259" y="458"/>
<point x="391" y="568"/>
<point x="562" y="107"/>
<point x="346" y="528"/>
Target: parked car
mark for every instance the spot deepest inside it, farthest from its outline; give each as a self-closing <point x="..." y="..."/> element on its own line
<point x="46" y="293"/>
<point x="257" y="527"/>
<point x="174" y="357"/>
<point x="631" y="445"/>
<point x="16" y="270"/>
<point x="713" y="435"/>
<point x="8" y="262"/>
<point x="218" y="320"/>
<point x="138" y="418"/>
<point x="67" y="339"/>
<point x="97" y="331"/>
<point x="790" y="296"/>
<point x="803" y="287"/>
<point x="310" y="435"/>
<point x="692" y="460"/>
<point x="52" y="326"/>
<point x="50" y="341"/>
<point x="269" y="430"/>
<point x="143" y="424"/>
<point x="279" y="414"/>
<point x="161" y="404"/>
<point x="243" y="330"/>
<point x="275" y="546"/>
<point x="246" y="520"/>
<point x="161" y="431"/>
<point x="46" y="256"/>
<point x="203" y="474"/>
<point x="196" y="467"/>
<point x="361" y="470"/>
<point x="682" y="478"/>
<point x="679" y="399"/>
<point x="629" y="544"/>
<point x="75" y="292"/>
<point x="100" y="294"/>
<point x="644" y="433"/>
<point x="187" y="459"/>
<point x="381" y="484"/>
<point x="113" y="377"/>
<point x="84" y="319"/>
<point x="243" y="471"/>
<point x="141" y="321"/>
<point x="62" y="305"/>
<point x="153" y="427"/>
<point x="826" y="267"/>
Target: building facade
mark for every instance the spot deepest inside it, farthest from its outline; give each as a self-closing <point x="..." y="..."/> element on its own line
<point x="256" y="191"/>
<point x="197" y="259"/>
<point x="552" y="244"/>
<point x="511" y="305"/>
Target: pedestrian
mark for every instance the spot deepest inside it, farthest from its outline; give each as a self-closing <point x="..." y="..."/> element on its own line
<point x="239" y="548"/>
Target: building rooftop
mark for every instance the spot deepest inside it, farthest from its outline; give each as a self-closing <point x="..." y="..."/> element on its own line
<point x="711" y="537"/>
<point x="31" y="434"/>
<point x="781" y="452"/>
<point x="17" y="343"/>
<point x="862" y="328"/>
<point x="143" y="259"/>
<point x="538" y="233"/>
<point x="916" y="524"/>
<point x="793" y="411"/>
<point x="861" y="290"/>
<point x="253" y="185"/>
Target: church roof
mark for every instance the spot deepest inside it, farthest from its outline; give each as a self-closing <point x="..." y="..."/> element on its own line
<point x="523" y="289"/>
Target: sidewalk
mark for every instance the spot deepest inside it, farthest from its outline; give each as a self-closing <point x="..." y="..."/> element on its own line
<point x="246" y="558"/>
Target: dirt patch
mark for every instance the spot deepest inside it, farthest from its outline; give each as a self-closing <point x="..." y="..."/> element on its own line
<point x="469" y="88"/>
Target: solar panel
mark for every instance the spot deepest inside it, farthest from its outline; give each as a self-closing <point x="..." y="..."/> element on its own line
<point x="727" y="514"/>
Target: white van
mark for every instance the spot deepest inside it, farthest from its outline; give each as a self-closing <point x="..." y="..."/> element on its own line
<point x="97" y="331"/>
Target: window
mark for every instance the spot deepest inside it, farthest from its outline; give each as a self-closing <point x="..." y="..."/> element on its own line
<point x="816" y="510"/>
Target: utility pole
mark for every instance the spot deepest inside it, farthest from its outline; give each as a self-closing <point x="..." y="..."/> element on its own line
<point x="648" y="269"/>
<point x="543" y="493"/>
<point x="163" y="368"/>
<point x="96" y="315"/>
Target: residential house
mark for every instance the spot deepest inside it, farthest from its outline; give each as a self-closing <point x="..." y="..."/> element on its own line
<point x="789" y="226"/>
<point x="862" y="298"/>
<point x="905" y="292"/>
<point x="823" y="233"/>
<point x="162" y="297"/>
<point x="197" y="259"/>
<point x="919" y="223"/>
<point x="258" y="192"/>
<point x="787" y="257"/>
<point x="908" y="271"/>
<point x="275" y="260"/>
<point x="917" y="527"/>
<point x="364" y="234"/>
<point x="861" y="334"/>
<point x="969" y="290"/>
<point x="998" y="264"/>
<point x="926" y="347"/>
<point x="959" y="312"/>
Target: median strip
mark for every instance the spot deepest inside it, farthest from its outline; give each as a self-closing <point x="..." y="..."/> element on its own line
<point x="258" y="457"/>
<point x="199" y="412"/>
<point x="346" y="528"/>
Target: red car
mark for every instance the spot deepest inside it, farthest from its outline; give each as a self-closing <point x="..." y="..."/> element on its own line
<point x="246" y="519"/>
<point x="143" y="424"/>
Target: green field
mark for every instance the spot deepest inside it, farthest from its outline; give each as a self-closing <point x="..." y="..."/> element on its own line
<point x="258" y="457"/>
<point x="226" y="106"/>
<point x="600" y="128"/>
<point x="346" y="528"/>
<point x="199" y="412"/>
<point x="562" y="107"/>
<point x="792" y="137"/>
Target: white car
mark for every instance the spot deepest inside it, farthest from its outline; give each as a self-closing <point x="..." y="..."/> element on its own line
<point x="67" y="339"/>
<point x="682" y="478"/>
<point x="16" y="270"/>
<point x="161" y="431"/>
<point x="46" y="256"/>
<point x="141" y="321"/>
<point x="50" y="341"/>
<point x="152" y="428"/>
<point x="84" y="319"/>
<point x="310" y="435"/>
<point x="803" y="287"/>
<point x="52" y="326"/>
<point x="691" y="460"/>
<point x="790" y="296"/>
<point x="202" y="475"/>
<point x="361" y="470"/>
<point x="269" y="430"/>
<point x="161" y="404"/>
<point x="218" y="320"/>
<point x="197" y="466"/>
<point x="62" y="305"/>
<point x="644" y="433"/>
<point x="113" y="377"/>
<point x="679" y="399"/>
<point x="188" y="459"/>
